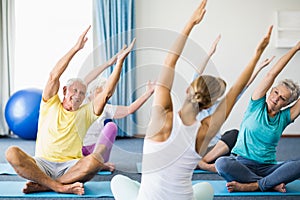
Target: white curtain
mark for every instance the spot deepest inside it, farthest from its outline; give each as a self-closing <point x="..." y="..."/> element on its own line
<point x="6" y="57"/>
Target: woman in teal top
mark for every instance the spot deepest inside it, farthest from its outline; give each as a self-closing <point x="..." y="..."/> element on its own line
<point x="261" y="147"/>
<point x="253" y="164"/>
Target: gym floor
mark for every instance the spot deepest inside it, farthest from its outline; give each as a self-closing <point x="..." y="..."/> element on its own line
<point x="126" y="153"/>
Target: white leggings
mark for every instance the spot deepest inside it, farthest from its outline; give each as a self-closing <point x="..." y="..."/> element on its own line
<point x="124" y="188"/>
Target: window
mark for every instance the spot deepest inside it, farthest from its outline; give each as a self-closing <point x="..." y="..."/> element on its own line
<point x="45" y="31"/>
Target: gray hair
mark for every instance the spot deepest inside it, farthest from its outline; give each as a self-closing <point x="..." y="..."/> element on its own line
<point x="99" y="82"/>
<point x="293" y="87"/>
<point x="72" y="80"/>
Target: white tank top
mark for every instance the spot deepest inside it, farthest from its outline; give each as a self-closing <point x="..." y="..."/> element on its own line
<point x="168" y="166"/>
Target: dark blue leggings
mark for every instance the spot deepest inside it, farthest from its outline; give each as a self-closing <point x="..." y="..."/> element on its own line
<point x="268" y="176"/>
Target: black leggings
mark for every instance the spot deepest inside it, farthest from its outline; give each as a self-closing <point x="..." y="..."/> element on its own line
<point x="229" y="138"/>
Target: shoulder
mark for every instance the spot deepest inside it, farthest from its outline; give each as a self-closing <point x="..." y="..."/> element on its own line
<point x="257" y="102"/>
<point x="52" y="101"/>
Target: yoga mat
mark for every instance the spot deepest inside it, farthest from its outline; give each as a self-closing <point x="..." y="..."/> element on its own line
<point x="102" y="189"/>
<point x="293" y="189"/>
<point x="196" y="171"/>
<point x="201" y="171"/>
<point x="6" y="169"/>
<point x="13" y="189"/>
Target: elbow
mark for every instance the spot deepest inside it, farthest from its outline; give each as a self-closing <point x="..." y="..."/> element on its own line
<point x="270" y="75"/>
<point x="169" y="61"/>
<point x="53" y="77"/>
<point x="108" y="92"/>
<point x="108" y="96"/>
<point x="130" y="111"/>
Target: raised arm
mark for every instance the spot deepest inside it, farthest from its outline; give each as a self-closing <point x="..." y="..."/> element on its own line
<point x="101" y="98"/>
<point x="257" y="69"/>
<point x="167" y="73"/>
<point x="295" y="110"/>
<point x="211" y="52"/>
<point x="165" y="81"/>
<point x="161" y="115"/>
<point x="268" y="80"/>
<point x="123" y="111"/>
<point x="99" y="69"/>
<point x="212" y="124"/>
<point x="52" y="85"/>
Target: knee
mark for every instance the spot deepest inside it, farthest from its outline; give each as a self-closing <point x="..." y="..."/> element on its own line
<point x="118" y="181"/>
<point x="208" y="188"/>
<point x="92" y="163"/>
<point x="110" y="131"/>
<point x="222" y="164"/>
<point x="123" y="187"/>
<point x="12" y="154"/>
<point x="203" y="191"/>
<point x="111" y="127"/>
<point x="235" y="130"/>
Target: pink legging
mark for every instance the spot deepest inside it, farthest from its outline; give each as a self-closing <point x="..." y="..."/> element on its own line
<point x="107" y="137"/>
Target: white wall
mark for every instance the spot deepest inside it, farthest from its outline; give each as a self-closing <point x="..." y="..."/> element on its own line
<point x="241" y="23"/>
<point x="45" y="31"/>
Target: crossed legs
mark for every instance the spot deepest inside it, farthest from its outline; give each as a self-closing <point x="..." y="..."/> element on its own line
<point x="222" y="148"/>
<point x="102" y="148"/>
<point x="26" y="167"/>
<point x="70" y="182"/>
<point x="243" y="174"/>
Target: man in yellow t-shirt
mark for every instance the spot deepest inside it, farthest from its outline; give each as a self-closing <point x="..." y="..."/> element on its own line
<point x="58" y="163"/>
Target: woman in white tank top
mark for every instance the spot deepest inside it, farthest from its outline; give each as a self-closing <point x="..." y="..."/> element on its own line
<point x="175" y="140"/>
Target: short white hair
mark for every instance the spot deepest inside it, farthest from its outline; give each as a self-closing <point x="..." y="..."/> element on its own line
<point x="99" y="82"/>
<point x="72" y="80"/>
<point x="293" y="87"/>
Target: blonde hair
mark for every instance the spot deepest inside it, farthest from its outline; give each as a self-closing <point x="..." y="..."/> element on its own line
<point x="206" y="90"/>
<point x="293" y="87"/>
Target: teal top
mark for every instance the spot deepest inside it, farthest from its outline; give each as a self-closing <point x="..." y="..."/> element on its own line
<point x="259" y="133"/>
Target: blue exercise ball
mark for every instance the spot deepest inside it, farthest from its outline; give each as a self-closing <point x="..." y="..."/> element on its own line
<point x="22" y="112"/>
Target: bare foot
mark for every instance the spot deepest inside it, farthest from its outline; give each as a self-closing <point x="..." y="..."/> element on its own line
<point x="205" y="166"/>
<point x="109" y="166"/>
<point x="242" y="187"/>
<point x="74" y="188"/>
<point x="32" y="187"/>
<point x="280" y="188"/>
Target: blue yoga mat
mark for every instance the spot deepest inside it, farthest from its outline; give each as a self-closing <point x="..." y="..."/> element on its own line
<point x="6" y="169"/>
<point x="201" y="171"/>
<point x="102" y="189"/>
<point x="293" y="189"/>
<point x="13" y="189"/>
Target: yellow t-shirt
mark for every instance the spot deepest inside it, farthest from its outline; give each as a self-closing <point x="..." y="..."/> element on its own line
<point x="61" y="132"/>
